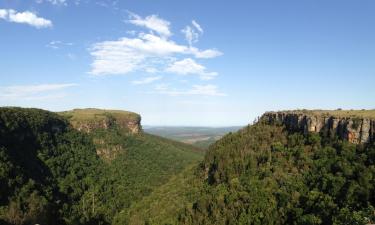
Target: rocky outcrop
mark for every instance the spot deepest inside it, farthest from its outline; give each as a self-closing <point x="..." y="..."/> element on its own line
<point x="354" y="129"/>
<point x="134" y="126"/>
<point x="87" y="120"/>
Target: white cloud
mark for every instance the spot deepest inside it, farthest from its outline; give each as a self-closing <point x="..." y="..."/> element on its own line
<point x="153" y="50"/>
<point x="130" y="54"/>
<point x="199" y="90"/>
<point x="3" y="13"/>
<point x="205" y="54"/>
<point x="31" y="91"/>
<point x="58" y="44"/>
<point x="190" y="35"/>
<point x="152" y="22"/>
<point x="197" y="26"/>
<point x="25" y="17"/>
<point x="189" y="66"/>
<point x="151" y="70"/>
<point x="57" y="2"/>
<point x="147" y="80"/>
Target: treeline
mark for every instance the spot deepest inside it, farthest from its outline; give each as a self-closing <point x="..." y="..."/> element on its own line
<point x="45" y="168"/>
<point x="51" y="173"/>
<point x="265" y="175"/>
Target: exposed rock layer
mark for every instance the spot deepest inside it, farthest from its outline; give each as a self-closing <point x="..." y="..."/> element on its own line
<point x="87" y="120"/>
<point x="354" y="129"/>
<point x="134" y="126"/>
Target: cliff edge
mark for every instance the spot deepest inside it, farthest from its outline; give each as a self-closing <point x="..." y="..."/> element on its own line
<point x="87" y="120"/>
<point x="356" y="126"/>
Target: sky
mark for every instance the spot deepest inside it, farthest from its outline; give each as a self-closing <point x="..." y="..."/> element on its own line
<point x="191" y="63"/>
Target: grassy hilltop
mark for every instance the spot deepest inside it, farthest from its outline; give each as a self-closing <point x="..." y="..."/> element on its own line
<point x="79" y="115"/>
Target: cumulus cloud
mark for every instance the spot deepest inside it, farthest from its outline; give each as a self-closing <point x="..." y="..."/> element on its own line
<point x="130" y="54"/>
<point x="127" y="55"/>
<point x="146" y="80"/>
<point x="32" y="91"/>
<point x="152" y="22"/>
<point x="25" y="17"/>
<point x="3" y="14"/>
<point x="199" y="90"/>
<point x="189" y="66"/>
<point x="154" y="52"/>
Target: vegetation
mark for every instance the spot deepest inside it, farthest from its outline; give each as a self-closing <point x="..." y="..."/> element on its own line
<point x="51" y="174"/>
<point x="370" y="114"/>
<point x="90" y="114"/>
<point x="265" y="175"/>
<point x="45" y="168"/>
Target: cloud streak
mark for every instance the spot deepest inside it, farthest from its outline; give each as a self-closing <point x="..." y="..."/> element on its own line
<point x="58" y="44"/>
<point x="147" y="80"/>
<point x="39" y="91"/>
<point x="198" y="90"/>
<point x="25" y="17"/>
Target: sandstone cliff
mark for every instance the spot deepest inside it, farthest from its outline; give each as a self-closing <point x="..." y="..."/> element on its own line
<point x="87" y="120"/>
<point x="354" y="126"/>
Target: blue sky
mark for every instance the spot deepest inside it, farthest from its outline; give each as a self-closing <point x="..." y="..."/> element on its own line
<point x="208" y="63"/>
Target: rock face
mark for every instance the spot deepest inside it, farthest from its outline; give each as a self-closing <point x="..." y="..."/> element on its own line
<point x="134" y="126"/>
<point x="354" y="129"/>
<point x="87" y="120"/>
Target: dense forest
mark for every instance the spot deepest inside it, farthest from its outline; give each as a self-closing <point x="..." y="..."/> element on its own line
<point x="265" y="175"/>
<point x="51" y="174"/>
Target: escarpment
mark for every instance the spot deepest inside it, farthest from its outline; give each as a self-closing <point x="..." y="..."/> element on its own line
<point x="355" y="126"/>
<point x="87" y="120"/>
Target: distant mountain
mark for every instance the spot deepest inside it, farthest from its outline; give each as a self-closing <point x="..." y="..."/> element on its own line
<point x="80" y="167"/>
<point x="200" y="137"/>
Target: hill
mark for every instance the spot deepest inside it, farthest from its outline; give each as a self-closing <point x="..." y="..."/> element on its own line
<point x="273" y="172"/>
<point x="201" y="137"/>
<point x="80" y="167"/>
<point x="91" y="119"/>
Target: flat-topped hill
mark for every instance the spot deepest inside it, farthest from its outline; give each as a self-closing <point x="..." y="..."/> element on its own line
<point x="370" y="114"/>
<point x="90" y="118"/>
<point x="356" y="126"/>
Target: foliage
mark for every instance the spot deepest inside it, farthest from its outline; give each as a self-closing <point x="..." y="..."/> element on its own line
<point x="265" y="175"/>
<point x="51" y="173"/>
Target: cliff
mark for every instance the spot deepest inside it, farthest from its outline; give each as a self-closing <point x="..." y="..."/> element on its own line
<point x="88" y="120"/>
<point x="356" y="126"/>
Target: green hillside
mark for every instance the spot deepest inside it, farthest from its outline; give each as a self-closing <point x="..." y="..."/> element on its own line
<point x="265" y="174"/>
<point x="51" y="174"/>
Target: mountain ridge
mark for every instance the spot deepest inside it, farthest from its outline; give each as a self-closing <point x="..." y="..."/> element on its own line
<point x="356" y="126"/>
